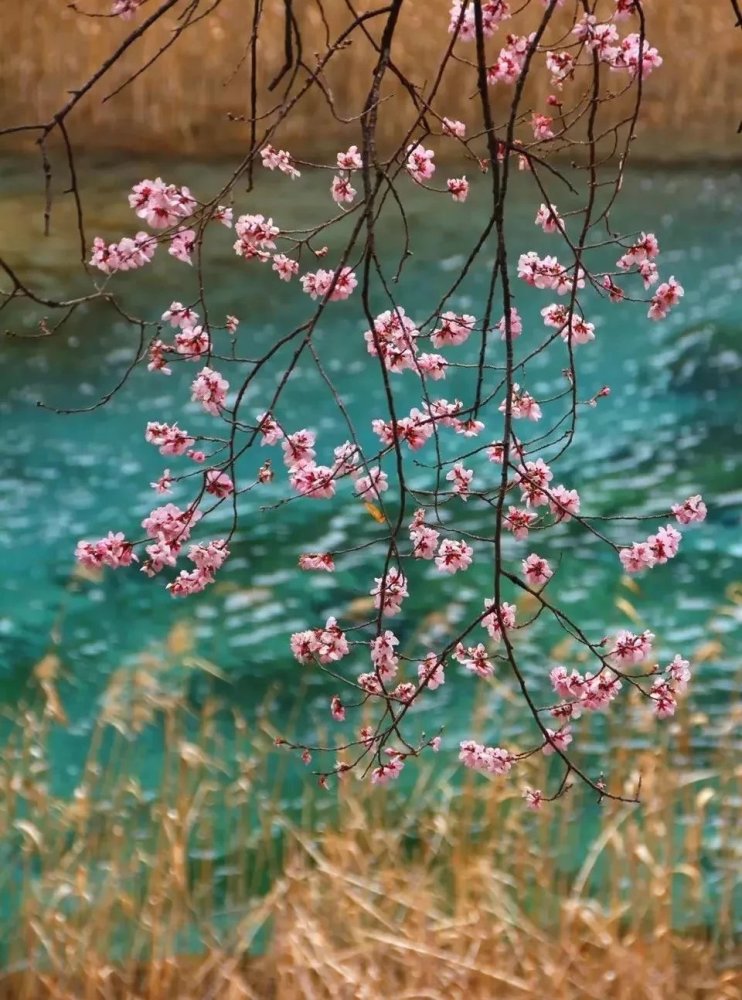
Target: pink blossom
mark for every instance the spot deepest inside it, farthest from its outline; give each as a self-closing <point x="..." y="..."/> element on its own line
<point x="270" y="430"/>
<point x="516" y="325"/>
<point x="432" y="365"/>
<point x="298" y="448"/>
<point x="678" y="673"/>
<point x="663" y="698"/>
<point x="629" y="648"/>
<point x="691" y="511"/>
<point x="373" y="484"/>
<point x="163" y="484"/>
<point x="224" y="215"/>
<point x="182" y="245"/>
<point x="285" y="267"/>
<point x="179" y="315"/>
<point x="533" y="479"/>
<point x="561" y="65"/>
<point x="519" y="521"/>
<point x="461" y="479"/>
<point x="342" y="190"/>
<point x="169" y="438"/>
<point x="493" y="760"/>
<point x="559" y="740"/>
<point x="564" y="504"/>
<point x="498" y="619"/>
<point x="317" y="561"/>
<point x="537" y="570"/>
<point x="350" y="159"/>
<point x="113" y="551"/>
<point x="453" y="556"/>
<point x="395" y="590"/>
<point x="458" y="188"/>
<point x="219" y="484"/>
<point x="256" y="235"/>
<point x="383" y="657"/>
<point x="387" y="772"/>
<point x="420" y="164"/>
<point x="279" y="159"/>
<point x="170" y="523"/>
<point x="474" y="659"/>
<point x="318" y="284"/>
<point x="424" y="539"/>
<point x="454" y="330"/>
<point x="157" y="362"/>
<point x="522" y="404"/>
<point x="637" y="557"/>
<point x="210" y="390"/>
<point x="541" y="125"/>
<point x="464" y="25"/>
<point x="665" y="298"/>
<point x="337" y="709"/>
<point x="312" y="480"/>
<point x="431" y="672"/>
<point x="193" y="342"/>
<point x="534" y="798"/>
<point x="453" y="127"/>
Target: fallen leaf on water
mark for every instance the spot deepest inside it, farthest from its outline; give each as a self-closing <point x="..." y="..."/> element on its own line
<point x="375" y="512"/>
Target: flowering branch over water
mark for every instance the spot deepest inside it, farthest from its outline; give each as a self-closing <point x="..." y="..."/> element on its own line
<point x="497" y="449"/>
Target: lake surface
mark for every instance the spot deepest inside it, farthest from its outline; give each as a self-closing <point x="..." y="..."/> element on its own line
<point x="671" y="428"/>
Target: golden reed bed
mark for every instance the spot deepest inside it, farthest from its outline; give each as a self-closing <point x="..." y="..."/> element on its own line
<point x="451" y="891"/>
<point x="693" y="106"/>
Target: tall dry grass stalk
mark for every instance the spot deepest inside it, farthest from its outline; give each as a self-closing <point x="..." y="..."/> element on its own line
<point x="142" y="886"/>
<point x="181" y="105"/>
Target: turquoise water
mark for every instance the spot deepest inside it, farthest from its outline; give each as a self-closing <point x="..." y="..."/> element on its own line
<point x="671" y="428"/>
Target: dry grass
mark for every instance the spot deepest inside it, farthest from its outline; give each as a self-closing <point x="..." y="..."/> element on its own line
<point x="165" y="888"/>
<point x="181" y="106"/>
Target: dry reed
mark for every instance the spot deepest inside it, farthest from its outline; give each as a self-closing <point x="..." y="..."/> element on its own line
<point x="166" y="889"/>
<point x="181" y="105"/>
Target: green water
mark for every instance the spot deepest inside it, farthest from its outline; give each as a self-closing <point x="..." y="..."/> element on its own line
<point x="671" y="428"/>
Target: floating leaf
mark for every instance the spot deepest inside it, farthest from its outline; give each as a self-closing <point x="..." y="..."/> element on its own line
<point x="375" y="512"/>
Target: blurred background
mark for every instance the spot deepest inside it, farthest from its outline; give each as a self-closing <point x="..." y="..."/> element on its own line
<point x="153" y="840"/>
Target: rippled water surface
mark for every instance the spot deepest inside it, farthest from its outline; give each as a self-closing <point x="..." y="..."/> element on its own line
<point x="671" y="427"/>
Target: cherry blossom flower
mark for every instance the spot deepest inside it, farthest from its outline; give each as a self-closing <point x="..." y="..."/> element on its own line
<point x="420" y="164"/>
<point x="537" y="570"/>
<point x="182" y="245"/>
<point x="559" y="740"/>
<point x="549" y="219"/>
<point x="454" y="330"/>
<point x="461" y="479"/>
<point x="210" y="390"/>
<point x="516" y="325"/>
<point x="431" y="672"/>
<point x="350" y="159"/>
<point x="394" y="587"/>
<point x="493" y="760"/>
<point x="342" y="190"/>
<point x="317" y="561"/>
<point x="278" y="159"/>
<point x="534" y="798"/>
<point x="541" y="125"/>
<point x="453" y="127"/>
<point x="285" y="267"/>
<point x="458" y="187"/>
<point x="219" y="484"/>
<point x="691" y="511"/>
<point x="453" y="556"/>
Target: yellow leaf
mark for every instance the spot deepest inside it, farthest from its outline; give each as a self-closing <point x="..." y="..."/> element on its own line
<point x="630" y="583"/>
<point x="375" y="512"/>
<point x="628" y="609"/>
